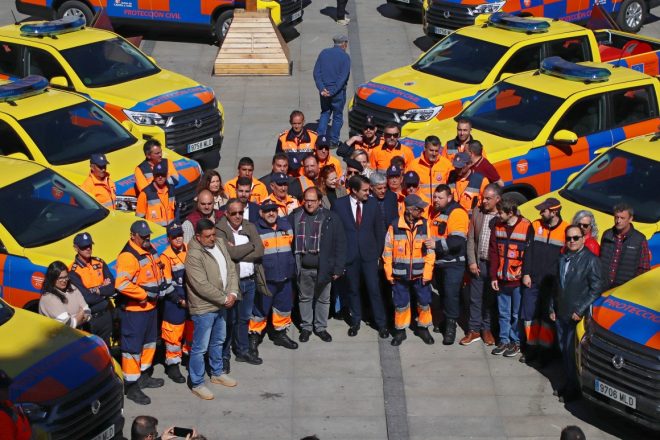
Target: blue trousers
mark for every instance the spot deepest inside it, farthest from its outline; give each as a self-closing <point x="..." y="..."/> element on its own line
<point x="452" y="279"/>
<point x="566" y="337"/>
<point x="239" y="319"/>
<point x="367" y="270"/>
<point x="332" y="105"/>
<point x="208" y="336"/>
<point x="508" y="306"/>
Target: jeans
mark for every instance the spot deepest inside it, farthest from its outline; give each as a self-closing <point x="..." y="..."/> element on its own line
<point x="332" y="105"/>
<point x="314" y="301"/>
<point x="482" y="300"/>
<point x="208" y="336"/>
<point x="248" y="289"/>
<point x="566" y="336"/>
<point x="508" y="305"/>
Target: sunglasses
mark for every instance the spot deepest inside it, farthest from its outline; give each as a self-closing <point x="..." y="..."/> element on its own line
<point x="101" y="167"/>
<point x="570" y="238"/>
<point x="352" y="173"/>
<point x="585" y="225"/>
<point x="232" y="213"/>
<point x="370" y="127"/>
<point x="85" y="248"/>
<point x="391" y="135"/>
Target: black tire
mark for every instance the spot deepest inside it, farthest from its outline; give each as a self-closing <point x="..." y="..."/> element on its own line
<point x="32" y="306"/>
<point x="517" y="196"/>
<point x="221" y="25"/>
<point x="632" y="15"/>
<point x="75" y="7"/>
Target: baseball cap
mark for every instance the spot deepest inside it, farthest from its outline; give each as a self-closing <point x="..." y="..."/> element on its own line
<point x="174" y="230"/>
<point x="141" y="228"/>
<point x="268" y="205"/>
<point x="461" y="160"/>
<point x="549" y="203"/>
<point x="99" y="159"/>
<point x="415" y="200"/>
<point x="411" y="178"/>
<point x="322" y="142"/>
<point x="352" y="163"/>
<point x="82" y="240"/>
<point x="279" y="178"/>
<point x="340" y="38"/>
<point x="160" y="169"/>
<point x="369" y="121"/>
<point x="393" y="171"/>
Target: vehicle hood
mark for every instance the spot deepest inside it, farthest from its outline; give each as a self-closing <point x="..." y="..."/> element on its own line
<point x="406" y="88"/>
<point x="164" y="92"/>
<point x="47" y="359"/>
<point x="632" y="310"/>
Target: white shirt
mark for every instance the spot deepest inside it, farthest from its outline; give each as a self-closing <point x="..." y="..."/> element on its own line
<point x="246" y="211"/>
<point x="245" y="269"/>
<point x="222" y="263"/>
<point x="354" y="204"/>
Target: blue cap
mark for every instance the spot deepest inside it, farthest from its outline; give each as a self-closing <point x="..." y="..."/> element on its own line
<point x="82" y="240"/>
<point x="411" y="178"/>
<point x="174" y="230"/>
<point x="99" y="159"/>
<point x="393" y="171"/>
<point x="160" y="169"/>
<point x="279" y="178"/>
<point x="322" y="142"/>
<point x="268" y="205"/>
<point x="461" y="160"/>
<point x="141" y="228"/>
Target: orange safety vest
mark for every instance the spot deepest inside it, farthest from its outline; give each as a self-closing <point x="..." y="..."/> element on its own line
<point x="511" y="250"/>
<point x="296" y="147"/>
<point x="157" y="204"/>
<point x="405" y="255"/>
<point x="468" y="191"/>
<point x="144" y="174"/>
<point x="430" y="174"/>
<point x="173" y="265"/>
<point x="454" y="147"/>
<point x="380" y="157"/>
<point x="556" y="236"/>
<point x="331" y="160"/>
<point x="401" y="198"/>
<point x="104" y="191"/>
<point x="369" y="147"/>
<point x="259" y="192"/>
<point x="286" y="206"/>
<point x="139" y="276"/>
<point x="453" y="220"/>
<point x="90" y="274"/>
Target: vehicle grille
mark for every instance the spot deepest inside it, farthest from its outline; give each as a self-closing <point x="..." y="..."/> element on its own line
<point x="73" y="418"/>
<point x="641" y="369"/>
<point x="181" y="129"/>
<point x="362" y="108"/>
<point x="449" y="15"/>
<point x="288" y="8"/>
<point x="185" y="198"/>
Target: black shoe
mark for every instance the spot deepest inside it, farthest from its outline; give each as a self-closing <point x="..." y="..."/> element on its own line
<point x="249" y="358"/>
<point x="450" y="332"/>
<point x="383" y="333"/>
<point x="353" y="330"/>
<point x="512" y="350"/>
<point x="523" y="358"/>
<point x="437" y="329"/>
<point x="226" y="365"/>
<point x="424" y="334"/>
<point x="501" y="348"/>
<point x="146" y="381"/>
<point x="174" y="373"/>
<point x="324" y="335"/>
<point x="134" y="393"/>
<point x="304" y="335"/>
<point x="398" y="336"/>
<point x="253" y="343"/>
<point x="529" y="355"/>
<point x="283" y="340"/>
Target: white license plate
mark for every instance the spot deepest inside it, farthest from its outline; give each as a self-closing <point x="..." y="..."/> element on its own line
<point x="296" y="16"/>
<point x="200" y="145"/>
<point x="440" y="31"/>
<point x="616" y="395"/>
<point x="107" y="434"/>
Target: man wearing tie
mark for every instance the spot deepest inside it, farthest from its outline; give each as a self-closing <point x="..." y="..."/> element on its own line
<point x="365" y="234"/>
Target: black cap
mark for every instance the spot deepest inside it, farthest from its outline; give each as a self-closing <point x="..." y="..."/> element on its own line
<point x="279" y="178"/>
<point x="414" y="200"/>
<point x="323" y="142"/>
<point x="141" y="228"/>
<point x="411" y="178"/>
<point x="352" y="163"/>
<point x="369" y="121"/>
<point x="268" y="205"/>
<point x="99" y="159"/>
<point x="82" y="240"/>
<point x="160" y="169"/>
<point x="174" y="230"/>
<point x="549" y="203"/>
<point x="393" y="171"/>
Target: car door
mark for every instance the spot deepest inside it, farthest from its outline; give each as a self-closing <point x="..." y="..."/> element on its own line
<point x="42" y="63"/>
<point x="11" y="60"/>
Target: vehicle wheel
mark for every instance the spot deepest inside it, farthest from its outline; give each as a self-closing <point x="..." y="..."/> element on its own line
<point x="32" y="306"/>
<point x="76" y="8"/>
<point x="222" y="25"/>
<point x="632" y="15"/>
<point x="517" y="196"/>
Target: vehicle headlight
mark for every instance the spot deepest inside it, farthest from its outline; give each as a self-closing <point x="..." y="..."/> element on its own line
<point x="486" y="8"/>
<point x="35" y="413"/>
<point x="146" y="118"/>
<point x="420" y="114"/>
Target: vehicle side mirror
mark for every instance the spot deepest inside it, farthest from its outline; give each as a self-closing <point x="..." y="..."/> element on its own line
<point x="59" y="81"/>
<point x="572" y="176"/>
<point x="565" y="137"/>
<point x="128" y="125"/>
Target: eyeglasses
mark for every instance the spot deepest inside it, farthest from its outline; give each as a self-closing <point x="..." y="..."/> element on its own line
<point x="585" y="225"/>
<point x="570" y="238"/>
<point x="391" y="135"/>
<point x="352" y="173"/>
<point x="101" y="167"/>
<point x="232" y="213"/>
<point x="370" y="127"/>
<point x="64" y="278"/>
<point x="85" y="248"/>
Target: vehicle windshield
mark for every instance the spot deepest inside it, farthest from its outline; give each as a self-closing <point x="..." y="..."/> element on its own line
<point x="6" y="312"/>
<point x="460" y="58"/>
<point x="45" y="208"/>
<point x="109" y="62"/>
<point x="511" y="111"/>
<point x="617" y="177"/>
<point x="73" y="134"/>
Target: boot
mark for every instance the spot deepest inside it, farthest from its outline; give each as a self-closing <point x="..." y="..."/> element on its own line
<point x="424" y="334"/>
<point x="253" y="343"/>
<point x="146" y="381"/>
<point x="134" y="393"/>
<point x="283" y="340"/>
<point x="174" y="373"/>
<point x="398" y="336"/>
<point x="450" y="332"/>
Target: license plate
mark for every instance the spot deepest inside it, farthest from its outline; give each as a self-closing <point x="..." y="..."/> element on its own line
<point x="196" y="146"/>
<point x="440" y="31"/>
<point x="296" y="16"/>
<point x="107" y="434"/>
<point x="616" y="395"/>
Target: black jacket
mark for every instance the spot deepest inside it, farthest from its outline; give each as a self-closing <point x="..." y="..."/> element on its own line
<point x="332" y="248"/>
<point x="631" y="253"/>
<point x="581" y="286"/>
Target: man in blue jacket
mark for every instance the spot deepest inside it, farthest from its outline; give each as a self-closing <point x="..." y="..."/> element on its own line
<point x="331" y="72"/>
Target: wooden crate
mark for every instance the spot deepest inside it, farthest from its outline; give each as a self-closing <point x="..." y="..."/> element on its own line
<point x="253" y="46"/>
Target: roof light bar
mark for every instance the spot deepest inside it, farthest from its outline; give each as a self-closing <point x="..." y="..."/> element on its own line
<point x="70" y="23"/>
<point x="518" y="24"/>
<point x="28" y="86"/>
<point x="557" y="66"/>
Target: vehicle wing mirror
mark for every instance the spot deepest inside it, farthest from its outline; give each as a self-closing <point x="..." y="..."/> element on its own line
<point x="152" y="59"/>
<point x="565" y="137"/>
<point x="59" y="81"/>
<point x="572" y="176"/>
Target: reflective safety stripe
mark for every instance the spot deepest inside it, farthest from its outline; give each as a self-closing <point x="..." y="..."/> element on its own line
<point x="424" y="317"/>
<point x="281" y="320"/>
<point x="130" y="366"/>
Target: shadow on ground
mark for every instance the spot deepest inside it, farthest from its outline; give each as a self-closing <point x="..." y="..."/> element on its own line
<point x="391" y="11"/>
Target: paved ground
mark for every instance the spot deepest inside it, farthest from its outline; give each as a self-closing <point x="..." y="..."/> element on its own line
<point x="353" y="388"/>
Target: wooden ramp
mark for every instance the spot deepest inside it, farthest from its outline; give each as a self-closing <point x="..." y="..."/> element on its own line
<point x="253" y="46"/>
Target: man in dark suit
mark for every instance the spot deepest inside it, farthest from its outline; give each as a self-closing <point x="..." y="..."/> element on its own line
<point x="365" y="232"/>
<point x="385" y="199"/>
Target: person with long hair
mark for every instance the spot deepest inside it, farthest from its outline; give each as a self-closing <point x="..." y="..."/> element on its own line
<point x="212" y="181"/>
<point x="587" y="222"/>
<point x="363" y="157"/>
<point x="61" y="300"/>
<point x="328" y="183"/>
